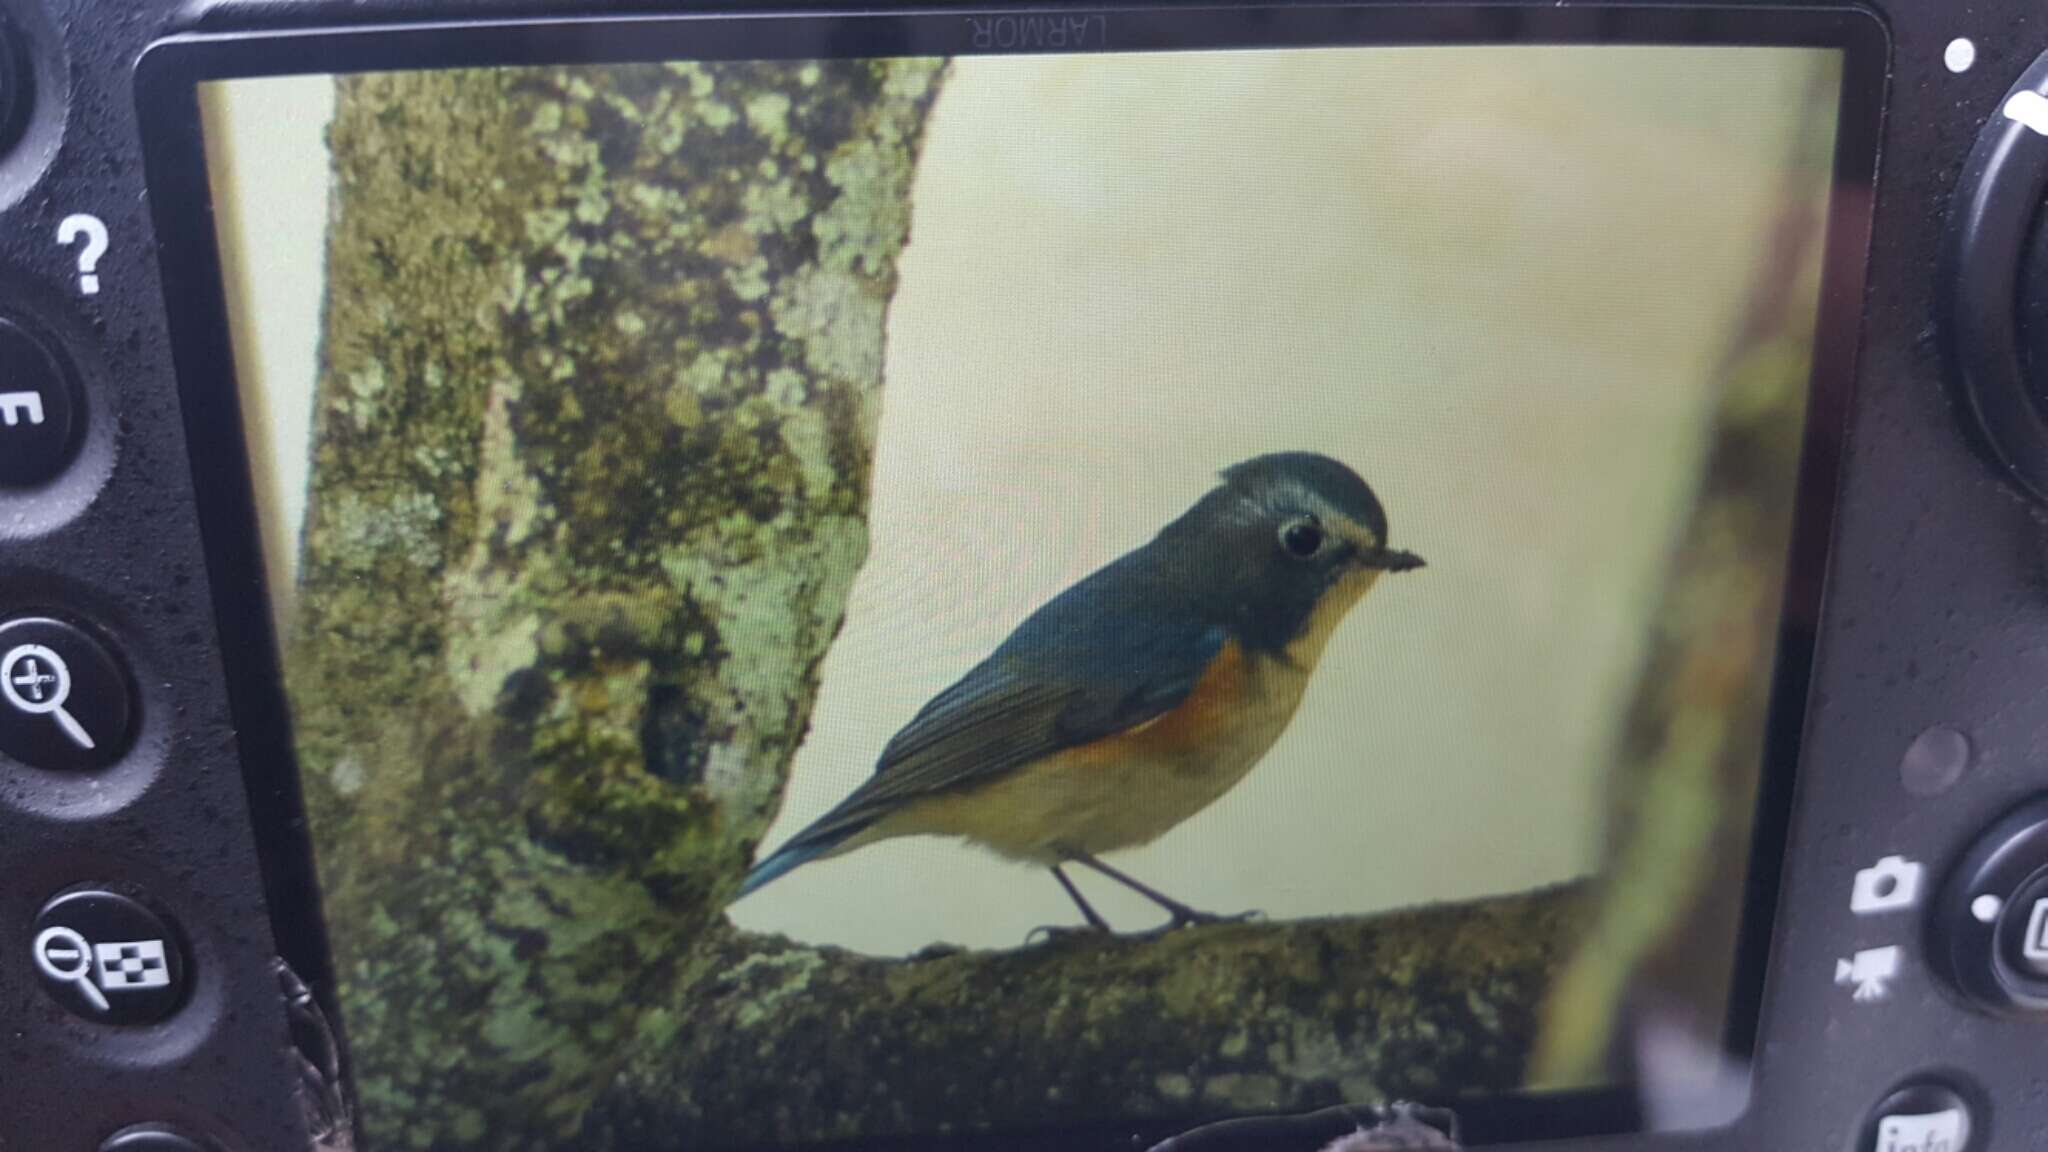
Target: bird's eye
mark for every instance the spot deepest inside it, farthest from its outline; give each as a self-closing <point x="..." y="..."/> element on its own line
<point x="1302" y="538"/>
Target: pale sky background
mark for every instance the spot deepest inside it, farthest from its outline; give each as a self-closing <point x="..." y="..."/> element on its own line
<point x="1492" y="280"/>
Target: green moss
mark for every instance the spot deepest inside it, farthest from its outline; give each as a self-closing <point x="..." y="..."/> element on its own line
<point x="583" y="516"/>
<point x="768" y="114"/>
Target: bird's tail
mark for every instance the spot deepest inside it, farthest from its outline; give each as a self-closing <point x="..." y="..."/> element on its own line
<point x="813" y="843"/>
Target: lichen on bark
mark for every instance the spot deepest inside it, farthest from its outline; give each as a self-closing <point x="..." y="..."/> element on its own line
<point x="600" y="374"/>
<point x="783" y="1043"/>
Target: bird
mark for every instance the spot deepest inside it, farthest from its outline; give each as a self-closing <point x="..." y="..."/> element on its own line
<point x="1138" y="696"/>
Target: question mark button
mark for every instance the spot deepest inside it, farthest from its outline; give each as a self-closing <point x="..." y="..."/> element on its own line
<point x="39" y="416"/>
<point x="94" y="231"/>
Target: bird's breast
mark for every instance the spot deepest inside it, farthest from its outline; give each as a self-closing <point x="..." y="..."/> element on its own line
<point x="1131" y="788"/>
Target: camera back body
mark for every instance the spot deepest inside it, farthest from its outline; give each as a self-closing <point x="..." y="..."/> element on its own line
<point x="380" y="753"/>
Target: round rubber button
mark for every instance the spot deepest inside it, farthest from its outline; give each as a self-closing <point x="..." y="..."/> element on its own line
<point x="66" y="703"/>
<point x="150" y="1138"/>
<point x="38" y="410"/>
<point x="1921" y="1116"/>
<point x="109" y="958"/>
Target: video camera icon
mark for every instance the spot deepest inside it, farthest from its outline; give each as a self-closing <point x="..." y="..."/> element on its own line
<point x="1870" y="972"/>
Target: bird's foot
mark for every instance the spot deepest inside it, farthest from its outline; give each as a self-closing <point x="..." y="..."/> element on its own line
<point x="1054" y="934"/>
<point x="1186" y="917"/>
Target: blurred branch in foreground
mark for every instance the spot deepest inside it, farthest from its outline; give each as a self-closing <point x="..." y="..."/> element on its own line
<point x="1673" y="888"/>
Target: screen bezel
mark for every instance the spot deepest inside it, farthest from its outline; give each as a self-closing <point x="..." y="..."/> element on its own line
<point x="168" y="78"/>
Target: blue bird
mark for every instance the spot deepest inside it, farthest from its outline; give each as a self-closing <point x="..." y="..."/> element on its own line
<point x="1138" y="696"/>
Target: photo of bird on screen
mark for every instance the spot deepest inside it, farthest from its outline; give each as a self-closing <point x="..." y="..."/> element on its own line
<point x="826" y="496"/>
<point x="1138" y="696"/>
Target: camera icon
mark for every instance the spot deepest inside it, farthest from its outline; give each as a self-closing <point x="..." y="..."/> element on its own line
<point x="1886" y="886"/>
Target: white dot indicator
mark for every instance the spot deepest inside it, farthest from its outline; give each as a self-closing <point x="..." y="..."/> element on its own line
<point x="1960" y="54"/>
<point x="1986" y="908"/>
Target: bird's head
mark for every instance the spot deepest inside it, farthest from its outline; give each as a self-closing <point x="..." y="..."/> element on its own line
<point x="1286" y="545"/>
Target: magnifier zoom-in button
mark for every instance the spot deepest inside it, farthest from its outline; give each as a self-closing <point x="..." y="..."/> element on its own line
<point x="65" y="697"/>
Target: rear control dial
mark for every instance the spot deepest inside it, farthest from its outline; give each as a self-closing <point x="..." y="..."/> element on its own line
<point x="1996" y="309"/>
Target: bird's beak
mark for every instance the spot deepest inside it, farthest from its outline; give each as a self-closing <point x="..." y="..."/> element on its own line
<point x="1389" y="560"/>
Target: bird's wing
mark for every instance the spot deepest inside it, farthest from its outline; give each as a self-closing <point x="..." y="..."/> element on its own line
<point x="1051" y="686"/>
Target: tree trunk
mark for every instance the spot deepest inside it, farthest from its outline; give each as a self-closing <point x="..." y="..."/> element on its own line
<point x="600" y="376"/>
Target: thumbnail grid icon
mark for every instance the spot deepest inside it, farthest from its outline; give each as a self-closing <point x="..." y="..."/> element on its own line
<point x="134" y="964"/>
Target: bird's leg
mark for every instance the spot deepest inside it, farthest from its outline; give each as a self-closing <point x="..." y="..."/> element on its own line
<point x="1181" y="913"/>
<point x="1096" y="924"/>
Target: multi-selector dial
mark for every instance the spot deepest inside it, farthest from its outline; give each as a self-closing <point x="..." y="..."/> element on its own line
<point x="1989" y="932"/>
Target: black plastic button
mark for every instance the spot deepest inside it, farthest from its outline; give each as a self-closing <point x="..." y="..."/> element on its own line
<point x="1921" y="1116"/>
<point x="108" y="958"/>
<point x="1989" y="932"/>
<point x="150" y="1138"/>
<point x="38" y="412"/>
<point x="65" y="698"/>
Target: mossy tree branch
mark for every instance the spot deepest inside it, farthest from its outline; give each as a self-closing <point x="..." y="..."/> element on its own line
<point x="783" y="1043"/>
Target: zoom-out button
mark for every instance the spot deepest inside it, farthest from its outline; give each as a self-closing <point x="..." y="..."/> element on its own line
<point x="109" y="958"/>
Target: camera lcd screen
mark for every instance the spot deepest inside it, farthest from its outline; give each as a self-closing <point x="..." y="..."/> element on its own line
<point x="1035" y="595"/>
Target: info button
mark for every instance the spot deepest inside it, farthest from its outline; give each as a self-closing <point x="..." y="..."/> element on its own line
<point x="1921" y="1116"/>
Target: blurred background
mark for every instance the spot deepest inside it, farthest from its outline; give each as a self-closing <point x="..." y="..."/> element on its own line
<point x="1498" y="282"/>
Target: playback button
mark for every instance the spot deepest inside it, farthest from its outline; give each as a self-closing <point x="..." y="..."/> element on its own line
<point x="39" y="416"/>
<point x="108" y="958"/>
